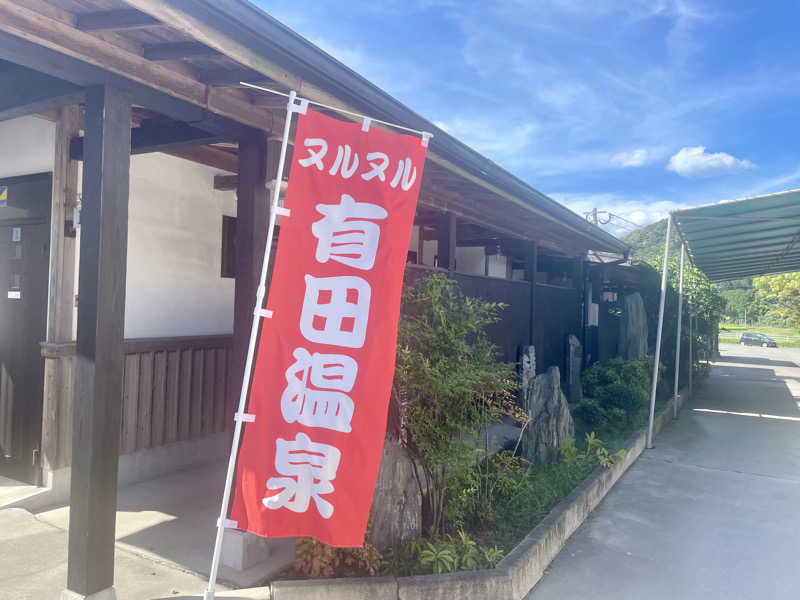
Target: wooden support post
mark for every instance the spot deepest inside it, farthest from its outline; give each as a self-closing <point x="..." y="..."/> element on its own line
<point x="446" y="235"/>
<point x="62" y="247"/>
<point x="533" y="259"/>
<point x="252" y="215"/>
<point x="578" y="283"/>
<point x="99" y="357"/>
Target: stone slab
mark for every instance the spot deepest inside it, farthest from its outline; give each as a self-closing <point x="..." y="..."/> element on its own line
<point x="106" y="594"/>
<point x="466" y="585"/>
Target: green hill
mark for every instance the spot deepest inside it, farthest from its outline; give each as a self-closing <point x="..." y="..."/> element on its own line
<point x="647" y="243"/>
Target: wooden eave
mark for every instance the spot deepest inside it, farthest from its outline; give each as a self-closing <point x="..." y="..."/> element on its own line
<point x="57" y="26"/>
<point x="178" y="50"/>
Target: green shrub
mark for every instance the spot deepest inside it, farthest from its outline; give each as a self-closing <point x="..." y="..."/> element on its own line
<point x="592" y="414"/>
<point x="618" y="392"/>
<point x="627" y="400"/>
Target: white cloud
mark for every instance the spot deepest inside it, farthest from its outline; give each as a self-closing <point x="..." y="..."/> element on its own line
<point x="502" y="142"/>
<point x="633" y="158"/>
<point x="694" y="161"/>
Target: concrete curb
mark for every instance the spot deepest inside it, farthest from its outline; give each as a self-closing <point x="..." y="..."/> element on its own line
<point x="516" y="574"/>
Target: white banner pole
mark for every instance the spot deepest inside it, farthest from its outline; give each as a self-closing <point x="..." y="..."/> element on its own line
<point x="258" y="313"/>
<point x="657" y="358"/>
<point x="678" y="338"/>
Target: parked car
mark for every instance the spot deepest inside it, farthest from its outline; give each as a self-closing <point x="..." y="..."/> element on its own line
<point x="757" y="339"/>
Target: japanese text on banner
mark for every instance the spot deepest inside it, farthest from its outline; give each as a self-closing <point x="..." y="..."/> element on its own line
<point x="325" y="362"/>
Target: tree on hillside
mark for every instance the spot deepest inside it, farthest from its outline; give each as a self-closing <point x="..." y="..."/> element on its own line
<point x="647" y="243"/>
<point x="781" y="295"/>
<point x="738" y="303"/>
<point x="703" y="299"/>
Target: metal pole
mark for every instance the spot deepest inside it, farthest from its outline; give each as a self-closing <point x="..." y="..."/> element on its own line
<point x="657" y="357"/>
<point x="691" y="352"/>
<point x="248" y="367"/>
<point x="678" y="338"/>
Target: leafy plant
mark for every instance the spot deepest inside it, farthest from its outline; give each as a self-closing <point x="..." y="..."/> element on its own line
<point x="442" y="554"/>
<point x="470" y="557"/>
<point x="449" y="385"/>
<point x="492" y="555"/>
<point x="439" y="556"/>
<point x="569" y="452"/>
<point x="315" y="559"/>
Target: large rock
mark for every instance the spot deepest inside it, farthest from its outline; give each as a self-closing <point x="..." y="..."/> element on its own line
<point x="633" y="330"/>
<point x="551" y="422"/>
<point x="396" y="505"/>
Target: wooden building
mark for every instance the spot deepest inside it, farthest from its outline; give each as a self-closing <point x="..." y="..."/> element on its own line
<point x="134" y="182"/>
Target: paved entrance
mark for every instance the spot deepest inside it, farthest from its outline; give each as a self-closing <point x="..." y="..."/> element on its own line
<point x="714" y="510"/>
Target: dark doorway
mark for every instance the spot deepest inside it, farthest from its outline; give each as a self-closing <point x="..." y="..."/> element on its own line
<point x="24" y="259"/>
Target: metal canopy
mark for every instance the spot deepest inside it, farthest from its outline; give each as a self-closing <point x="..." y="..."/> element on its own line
<point x="743" y="238"/>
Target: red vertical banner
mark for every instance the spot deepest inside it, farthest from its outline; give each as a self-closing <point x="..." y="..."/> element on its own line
<point x="323" y="372"/>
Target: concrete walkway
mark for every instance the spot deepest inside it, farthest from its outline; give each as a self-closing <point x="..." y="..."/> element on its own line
<point x="714" y="510"/>
<point x="12" y="491"/>
<point x="165" y="533"/>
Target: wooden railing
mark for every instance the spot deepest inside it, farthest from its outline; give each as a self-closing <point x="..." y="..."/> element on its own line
<point x="174" y="389"/>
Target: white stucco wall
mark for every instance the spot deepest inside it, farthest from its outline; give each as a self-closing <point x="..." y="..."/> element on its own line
<point x="496" y="265"/>
<point x="26" y="146"/>
<point x="471" y="260"/>
<point x="174" y="286"/>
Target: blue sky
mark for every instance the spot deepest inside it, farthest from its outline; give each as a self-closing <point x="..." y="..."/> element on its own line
<point x="635" y="107"/>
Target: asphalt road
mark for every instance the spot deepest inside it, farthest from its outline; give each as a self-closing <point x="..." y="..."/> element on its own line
<point x="713" y="511"/>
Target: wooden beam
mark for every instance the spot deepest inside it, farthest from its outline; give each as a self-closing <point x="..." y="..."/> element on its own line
<point x="59" y="36"/>
<point x="62" y="247"/>
<point x="268" y="100"/>
<point x="177" y="51"/>
<point x="157" y="137"/>
<point x="28" y="92"/>
<point x="226" y="182"/>
<point x="531" y="266"/>
<point x="114" y="19"/>
<point x="231" y="77"/>
<point x="252" y="214"/>
<point x="99" y="358"/>
<point x="178" y="18"/>
<point x="209" y="156"/>
<point x="446" y="236"/>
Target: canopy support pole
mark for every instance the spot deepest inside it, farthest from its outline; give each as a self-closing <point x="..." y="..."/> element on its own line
<point x="659" y="331"/>
<point x="691" y="352"/>
<point x="678" y="338"/>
